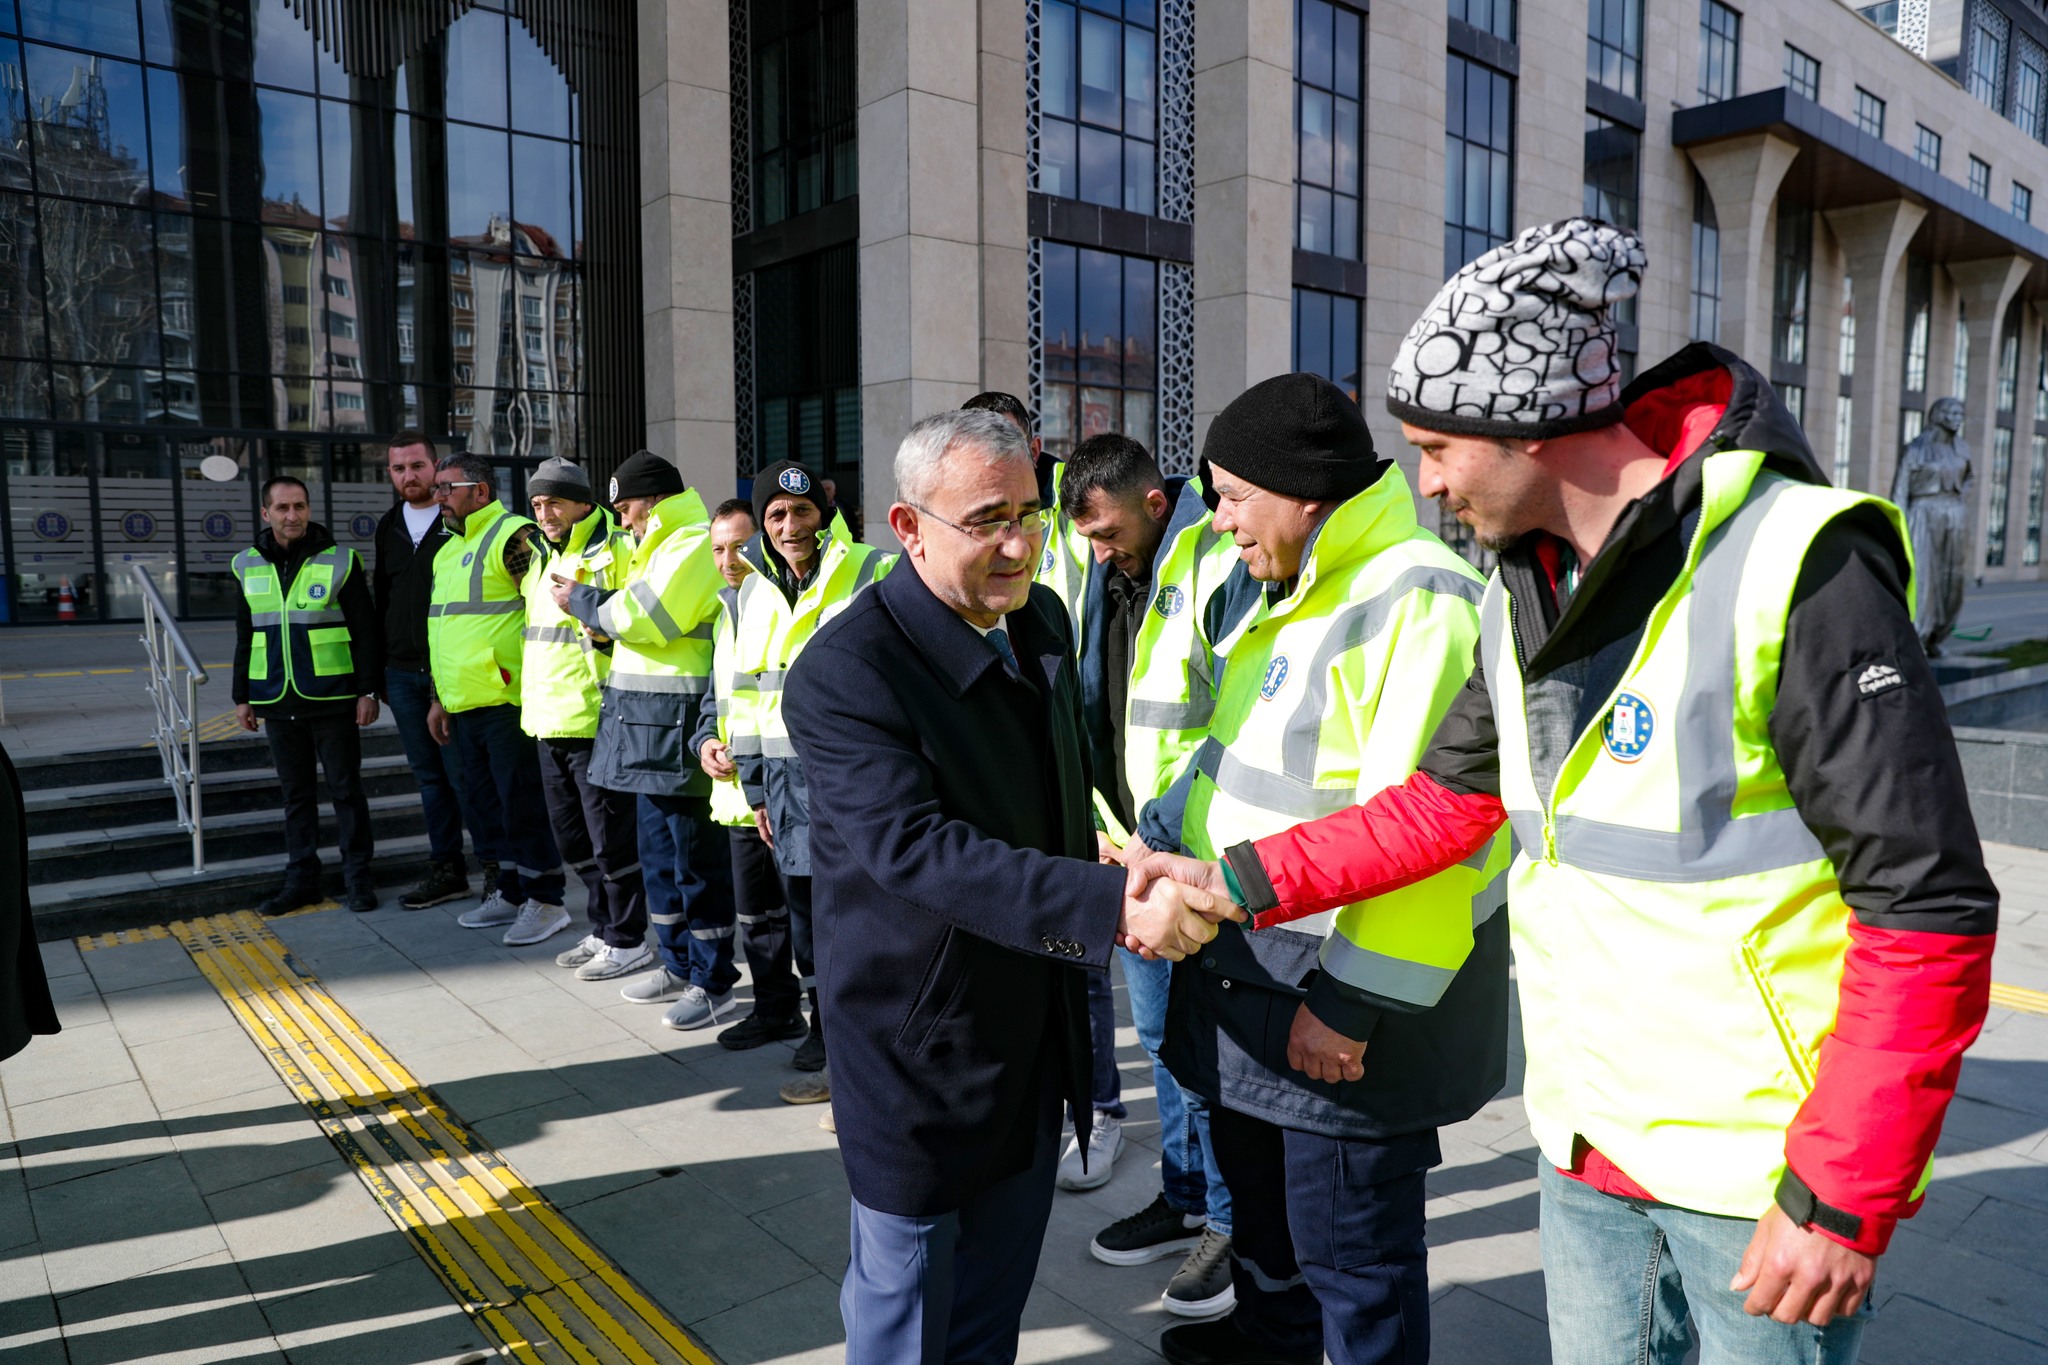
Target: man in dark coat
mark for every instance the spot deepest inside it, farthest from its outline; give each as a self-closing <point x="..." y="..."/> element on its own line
<point x="957" y="898"/>
<point x="25" y="1005"/>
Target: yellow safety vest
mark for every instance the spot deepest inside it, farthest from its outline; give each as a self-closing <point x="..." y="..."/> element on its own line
<point x="299" y="641"/>
<point x="561" y="669"/>
<point x="475" y="613"/>
<point x="1678" y="932"/>
<point x="728" y="802"/>
<point x="1063" y="564"/>
<point x="1330" y="695"/>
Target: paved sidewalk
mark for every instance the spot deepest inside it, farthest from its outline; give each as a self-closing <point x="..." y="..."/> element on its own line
<point x="68" y="688"/>
<point x="164" y="1197"/>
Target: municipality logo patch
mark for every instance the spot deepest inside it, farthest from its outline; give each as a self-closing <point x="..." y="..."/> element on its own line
<point x="1276" y="678"/>
<point x="793" y="481"/>
<point x="467" y="557"/>
<point x="1629" y="728"/>
<point x="1878" y="677"/>
<point x="1170" y="601"/>
<point x="615" y="489"/>
<point x="1045" y="563"/>
<point x="316" y="591"/>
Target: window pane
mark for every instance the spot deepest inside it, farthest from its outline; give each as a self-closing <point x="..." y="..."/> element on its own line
<point x="1140" y="98"/>
<point x="1139" y="176"/>
<point x="1312" y="331"/>
<point x="1101" y="410"/>
<point x="1344" y="227"/>
<point x="100" y="277"/>
<point x="291" y="150"/>
<point x="1101" y="71"/>
<point x="1347" y="53"/>
<point x="1315" y="219"/>
<point x="1056" y="60"/>
<point x="1101" y="299"/>
<point x="1060" y="312"/>
<point x="1345" y="146"/>
<point x="1139" y="418"/>
<point x="1140" y="322"/>
<point x="1056" y="420"/>
<point x="1102" y="168"/>
<point x="1316" y="118"/>
<point x="1344" y="345"/>
<point x="283" y="46"/>
<point x="1317" y="41"/>
<point x="75" y="152"/>
<point x="21" y="286"/>
<point x="476" y="68"/>
<point x="1058" y="163"/>
<point x="543" y="103"/>
<point x="477" y="175"/>
<point x="337" y="162"/>
<point x="100" y="27"/>
<point x="1140" y="12"/>
<point x="540" y="192"/>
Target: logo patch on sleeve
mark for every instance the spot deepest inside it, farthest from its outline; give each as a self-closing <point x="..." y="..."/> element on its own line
<point x="1879" y="676"/>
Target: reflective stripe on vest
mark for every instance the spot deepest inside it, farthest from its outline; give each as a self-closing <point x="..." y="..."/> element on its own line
<point x="1171" y="696"/>
<point x="300" y="642"/>
<point x="560" y="669"/>
<point x="773" y="631"/>
<point x="476" y="615"/>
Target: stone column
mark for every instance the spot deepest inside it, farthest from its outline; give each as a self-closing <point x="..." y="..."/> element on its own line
<point x="1743" y="174"/>
<point x="1244" y="199"/>
<point x="1985" y="289"/>
<point x="1005" y="240"/>
<point x="921" y="261"/>
<point x="686" y="236"/>
<point x="1827" y="281"/>
<point x="1873" y="238"/>
<point x="2024" y="429"/>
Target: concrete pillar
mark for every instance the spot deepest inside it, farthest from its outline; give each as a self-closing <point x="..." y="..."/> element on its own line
<point x="1827" y="282"/>
<point x="2024" y="429"/>
<point x="1005" y="241"/>
<point x="921" y="260"/>
<point x="1743" y="174"/>
<point x="1985" y="288"/>
<point x="1244" y="199"/>
<point x="1873" y="239"/>
<point x="686" y="236"/>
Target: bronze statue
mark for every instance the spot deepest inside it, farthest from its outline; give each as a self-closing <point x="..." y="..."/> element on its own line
<point x="1932" y="487"/>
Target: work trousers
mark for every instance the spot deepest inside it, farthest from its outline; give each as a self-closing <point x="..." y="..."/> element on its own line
<point x="764" y="924"/>
<point x="598" y="831"/>
<point x="796" y="891"/>
<point x="434" y="768"/>
<point x="501" y="765"/>
<point x="1327" y="1248"/>
<point x="689" y="889"/>
<point x="336" y="745"/>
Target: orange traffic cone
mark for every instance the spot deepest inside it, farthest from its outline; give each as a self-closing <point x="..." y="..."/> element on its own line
<point x="67" y="605"/>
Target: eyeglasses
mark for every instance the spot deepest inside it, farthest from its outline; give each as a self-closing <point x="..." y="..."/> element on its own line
<point x="442" y="490"/>
<point x="993" y="533"/>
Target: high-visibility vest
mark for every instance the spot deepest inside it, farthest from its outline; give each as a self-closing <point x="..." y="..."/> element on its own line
<point x="475" y="613"/>
<point x="728" y="802"/>
<point x="1333" y="693"/>
<point x="1063" y="563"/>
<point x="299" y="641"/>
<point x="561" y="669"/>
<point x="1678" y="933"/>
<point x="773" y="631"/>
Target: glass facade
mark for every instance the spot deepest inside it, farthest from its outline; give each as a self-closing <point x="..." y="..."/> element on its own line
<point x="1614" y="45"/>
<point x="1098" y="91"/>
<point x="807" y="363"/>
<point x="1329" y="89"/>
<point x="1479" y="160"/>
<point x="1496" y="17"/>
<point x="1706" y="264"/>
<point x="1792" y="282"/>
<point x="1101" y="357"/>
<point x="1326" y="337"/>
<point x="804" y="108"/>
<point x="1989" y="30"/>
<point x="1720" y="52"/>
<point x="2001" y="497"/>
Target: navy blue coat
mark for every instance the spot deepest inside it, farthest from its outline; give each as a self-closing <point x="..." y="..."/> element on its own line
<point x="955" y="888"/>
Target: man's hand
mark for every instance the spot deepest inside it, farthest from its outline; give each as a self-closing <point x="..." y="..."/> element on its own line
<point x="559" y="587"/>
<point x="1794" y="1273"/>
<point x="1321" y="1053"/>
<point x="366" y="711"/>
<point x="1193" y="874"/>
<point x="437" y="722"/>
<point x="761" y="824"/>
<point x="245" y="715"/>
<point x="1106" y="850"/>
<point x="716" y="760"/>
<point x="1169" y="920"/>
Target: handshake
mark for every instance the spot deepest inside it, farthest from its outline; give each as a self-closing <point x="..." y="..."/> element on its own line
<point x="1172" y="904"/>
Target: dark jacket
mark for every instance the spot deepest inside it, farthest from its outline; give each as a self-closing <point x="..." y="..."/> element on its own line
<point x="957" y="894"/>
<point x="402" y="584"/>
<point x="25" y="1005"/>
<point x="366" y="642"/>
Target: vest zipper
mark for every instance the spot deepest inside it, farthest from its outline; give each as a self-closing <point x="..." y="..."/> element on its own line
<point x="1550" y="806"/>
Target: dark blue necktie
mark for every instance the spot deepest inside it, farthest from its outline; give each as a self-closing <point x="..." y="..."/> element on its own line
<point x="1000" y="639"/>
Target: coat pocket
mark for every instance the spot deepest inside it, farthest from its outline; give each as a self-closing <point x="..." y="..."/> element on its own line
<point x="945" y="977"/>
<point x="1803" y="1065"/>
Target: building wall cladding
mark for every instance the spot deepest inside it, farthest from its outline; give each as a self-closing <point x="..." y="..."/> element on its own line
<point x="951" y="219"/>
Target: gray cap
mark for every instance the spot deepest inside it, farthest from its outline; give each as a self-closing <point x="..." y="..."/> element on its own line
<point x="560" y="478"/>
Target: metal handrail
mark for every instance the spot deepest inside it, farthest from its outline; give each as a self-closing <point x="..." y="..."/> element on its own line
<point x="177" y="712"/>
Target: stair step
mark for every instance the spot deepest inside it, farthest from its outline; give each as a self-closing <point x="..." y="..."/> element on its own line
<point x="123" y="805"/>
<point x="160" y="844"/>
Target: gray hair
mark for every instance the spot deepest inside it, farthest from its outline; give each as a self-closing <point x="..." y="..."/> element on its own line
<point x="472" y="467"/>
<point x="925" y="447"/>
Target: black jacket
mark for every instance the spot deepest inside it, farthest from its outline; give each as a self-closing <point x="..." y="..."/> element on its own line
<point x="402" y="583"/>
<point x="365" y="641"/>
<point x="25" y="1005"/>
<point x="956" y="891"/>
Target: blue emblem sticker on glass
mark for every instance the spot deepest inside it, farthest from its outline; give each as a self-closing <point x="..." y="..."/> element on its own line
<point x="362" y="526"/>
<point x="54" y="525"/>
<point x="1276" y="677"/>
<point x="1170" y="601"/>
<point x="1629" y="728"/>
<point x="793" y="481"/>
<point x="217" y="525"/>
<point x="138" y="525"/>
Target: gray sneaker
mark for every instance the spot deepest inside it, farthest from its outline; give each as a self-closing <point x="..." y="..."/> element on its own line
<point x="814" y="1088"/>
<point x="610" y="961"/>
<point x="581" y="953"/>
<point x="658" y="985"/>
<point x="695" y="1008"/>
<point x="1201" y="1288"/>
<point x="537" y="922"/>
<point x="1105" y="1144"/>
<point x="494" y="911"/>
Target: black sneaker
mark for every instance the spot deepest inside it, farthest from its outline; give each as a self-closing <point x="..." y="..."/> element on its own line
<point x="810" y="1055"/>
<point x="361" y="898"/>
<point x="1221" y="1343"/>
<point x="294" y="896"/>
<point x="757" y="1029"/>
<point x="1152" y="1234"/>
<point x="1201" y="1288"/>
<point x="444" y="882"/>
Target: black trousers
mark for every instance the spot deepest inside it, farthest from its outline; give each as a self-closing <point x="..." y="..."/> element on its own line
<point x="1327" y="1249"/>
<point x="796" y="891"/>
<point x="598" y="831"/>
<point x="334" y="743"/>
<point x="764" y="925"/>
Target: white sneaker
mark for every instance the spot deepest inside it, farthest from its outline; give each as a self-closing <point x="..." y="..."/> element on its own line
<point x="610" y="961"/>
<point x="495" y="910"/>
<point x="581" y="953"/>
<point x="695" y="1008"/>
<point x="658" y="985"/>
<point x="1105" y="1144"/>
<point x="537" y="921"/>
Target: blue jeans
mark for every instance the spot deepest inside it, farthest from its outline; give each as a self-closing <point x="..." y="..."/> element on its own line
<point x="1626" y="1279"/>
<point x="1187" y="1157"/>
<point x="686" y="862"/>
<point x="433" y="767"/>
<point x="501" y="763"/>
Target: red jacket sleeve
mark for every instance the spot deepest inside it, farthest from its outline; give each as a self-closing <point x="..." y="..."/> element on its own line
<point x="1396" y="838"/>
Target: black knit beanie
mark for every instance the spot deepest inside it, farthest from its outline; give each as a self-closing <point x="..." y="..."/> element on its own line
<point x="644" y="474"/>
<point x="1297" y="435"/>
<point x="788" y="479"/>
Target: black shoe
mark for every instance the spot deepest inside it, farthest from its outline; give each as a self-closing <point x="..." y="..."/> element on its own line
<point x="811" y="1055"/>
<point x="361" y="898"/>
<point x="1220" y="1343"/>
<point x="1201" y="1288"/>
<point x="1152" y="1234"/>
<point x="444" y="882"/>
<point x="757" y="1029"/>
<point x="294" y="896"/>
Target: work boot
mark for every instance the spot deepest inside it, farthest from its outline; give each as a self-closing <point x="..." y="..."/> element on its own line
<point x="1221" y="1343"/>
<point x="361" y="898"/>
<point x="444" y="882"/>
<point x="757" y="1029"/>
<point x="295" y="895"/>
<point x="810" y="1056"/>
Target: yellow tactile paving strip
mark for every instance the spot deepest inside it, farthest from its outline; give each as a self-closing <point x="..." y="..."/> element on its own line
<point x="2019" y="998"/>
<point x="532" y="1284"/>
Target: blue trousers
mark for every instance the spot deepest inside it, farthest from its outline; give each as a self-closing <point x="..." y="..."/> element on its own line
<point x="949" y="1289"/>
<point x="686" y="862"/>
<point x="1187" y="1156"/>
<point x="1625" y="1279"/>
<point x="501" y="764"/>
<point x="433" y="767"/>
